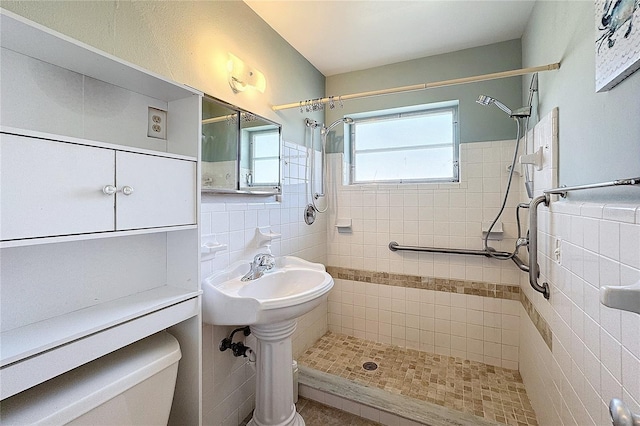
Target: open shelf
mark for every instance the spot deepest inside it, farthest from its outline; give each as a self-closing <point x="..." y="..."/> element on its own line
<point x="91" y="236"/>
<point x="86" y="334"/>
<point x="96" y="144"/>
<point x="32" y="339"/>
<point x="42" y="43"/>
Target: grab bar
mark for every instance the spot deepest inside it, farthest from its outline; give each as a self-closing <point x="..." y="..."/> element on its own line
<point x="563" y="190"/>
<point x="534" y="268"/>
<point x="394" y="246"/>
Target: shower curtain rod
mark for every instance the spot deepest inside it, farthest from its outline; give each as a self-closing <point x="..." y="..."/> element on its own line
<point x="422" y="86"/>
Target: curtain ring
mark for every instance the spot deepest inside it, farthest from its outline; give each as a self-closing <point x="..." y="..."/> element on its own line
<point x="300" y="105"/>
<point x="340" y="100"/>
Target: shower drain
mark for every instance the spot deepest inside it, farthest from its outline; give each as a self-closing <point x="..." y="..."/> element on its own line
<point x="370" y="366"/>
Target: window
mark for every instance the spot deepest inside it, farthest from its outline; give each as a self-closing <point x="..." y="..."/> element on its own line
<point x="417" y="144"/>
<point x="265" y="160"/>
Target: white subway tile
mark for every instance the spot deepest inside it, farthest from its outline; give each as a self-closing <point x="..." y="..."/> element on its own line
<point x="412" y="321"/>
<point x="630" y="245"/>
<point x="620" y="213"/>
<point x="631" y="374"/>
<point x="610" y="355"/>
<point x="458" y="329"/>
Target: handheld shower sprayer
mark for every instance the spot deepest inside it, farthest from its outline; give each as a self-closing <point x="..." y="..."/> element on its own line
<point x="324" y="130"/>
<point x="488" y="100"/>
<point x="521" y="116"/>
<point x="525" y="111"/>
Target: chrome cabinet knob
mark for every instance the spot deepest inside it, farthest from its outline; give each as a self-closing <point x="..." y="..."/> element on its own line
<point x="109" y="190"/>
<point x="127" y="190"/>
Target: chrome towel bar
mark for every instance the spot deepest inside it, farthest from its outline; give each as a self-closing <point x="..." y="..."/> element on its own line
<point x="620" y="182"/>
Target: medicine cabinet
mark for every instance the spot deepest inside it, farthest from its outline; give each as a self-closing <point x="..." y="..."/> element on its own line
<point x="240" y="150"/>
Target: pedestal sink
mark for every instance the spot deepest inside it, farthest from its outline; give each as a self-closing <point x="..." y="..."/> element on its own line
<point x="269" y="305"/>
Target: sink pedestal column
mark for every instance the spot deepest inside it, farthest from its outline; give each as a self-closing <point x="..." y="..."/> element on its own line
<point x="274" y="376"/>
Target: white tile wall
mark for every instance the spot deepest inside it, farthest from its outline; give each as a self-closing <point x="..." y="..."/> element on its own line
<point x="472" y="327"/>
<point x="596" y="350"/>
<point x="228" y="382"/>
<point x="440" y="215"/>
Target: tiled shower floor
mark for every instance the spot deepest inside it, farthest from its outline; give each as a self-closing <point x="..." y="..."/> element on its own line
<point x="493" y="393"/>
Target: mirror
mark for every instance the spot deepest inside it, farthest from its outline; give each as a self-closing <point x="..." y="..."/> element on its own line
<point x="240" y="150"/>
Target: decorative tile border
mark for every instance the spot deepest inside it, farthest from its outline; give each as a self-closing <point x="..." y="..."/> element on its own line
<point x="538" y="321"/>
<point x="476" y="288"/>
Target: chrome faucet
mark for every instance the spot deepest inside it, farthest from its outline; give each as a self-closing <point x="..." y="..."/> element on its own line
<point x="261" y="263"/>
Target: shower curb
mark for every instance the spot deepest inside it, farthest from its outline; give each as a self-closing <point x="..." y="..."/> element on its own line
<point x="408" y="408"/>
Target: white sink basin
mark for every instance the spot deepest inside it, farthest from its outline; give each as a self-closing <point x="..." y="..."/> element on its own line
<point x="291" y="289"/>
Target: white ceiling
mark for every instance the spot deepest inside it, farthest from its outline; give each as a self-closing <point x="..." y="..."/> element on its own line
<point x="348" y="35"/>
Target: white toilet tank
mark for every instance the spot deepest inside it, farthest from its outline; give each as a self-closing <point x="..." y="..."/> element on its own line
<point x="131" y="386"/>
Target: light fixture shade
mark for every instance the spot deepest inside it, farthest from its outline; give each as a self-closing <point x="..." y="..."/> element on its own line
<point x="242" y="76"/>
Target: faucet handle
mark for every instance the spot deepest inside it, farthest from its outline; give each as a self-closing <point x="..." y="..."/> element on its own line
<point x="264" y="259"/>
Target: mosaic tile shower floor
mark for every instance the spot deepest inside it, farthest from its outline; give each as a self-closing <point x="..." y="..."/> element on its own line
<point x="493" y="393"/>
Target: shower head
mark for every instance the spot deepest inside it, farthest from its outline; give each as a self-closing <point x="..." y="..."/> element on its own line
<point x="488" y="100"/>
<point x="519" y="113"/>
<point x="484" y="100"/>
<point x="346" y="120"/>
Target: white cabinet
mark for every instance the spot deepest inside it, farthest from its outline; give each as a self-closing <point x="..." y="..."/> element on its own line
<point x="85" y="272"/>
<point x="55" y="188"/>
<point x="163" y="191"/>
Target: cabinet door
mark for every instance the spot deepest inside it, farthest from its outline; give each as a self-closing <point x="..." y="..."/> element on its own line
<point x="163" y="191"/>
<point x="54" y="188"/>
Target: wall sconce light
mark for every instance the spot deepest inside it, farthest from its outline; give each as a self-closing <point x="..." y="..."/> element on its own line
<point x="242" y="76"/>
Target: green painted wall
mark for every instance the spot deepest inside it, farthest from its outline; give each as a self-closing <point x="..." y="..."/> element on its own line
<point x="599" y="132"/>
<point x="477" y="123"/>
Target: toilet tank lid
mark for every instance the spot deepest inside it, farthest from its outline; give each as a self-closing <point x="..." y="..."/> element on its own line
<point x="76" y="392"/>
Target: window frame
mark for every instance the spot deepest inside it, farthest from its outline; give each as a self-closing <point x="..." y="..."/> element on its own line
<point x="398" y="113"/>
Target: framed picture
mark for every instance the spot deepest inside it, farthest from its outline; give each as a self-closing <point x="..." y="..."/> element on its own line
<point x="617" y="43"/>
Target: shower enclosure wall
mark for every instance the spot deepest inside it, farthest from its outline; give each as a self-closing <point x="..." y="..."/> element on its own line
<point x="465" y="306"/>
